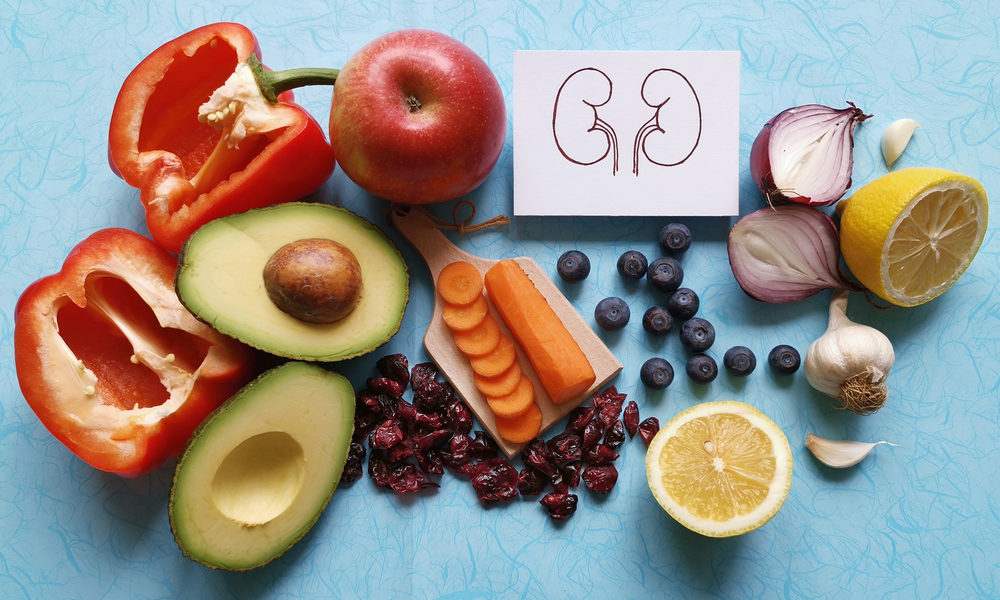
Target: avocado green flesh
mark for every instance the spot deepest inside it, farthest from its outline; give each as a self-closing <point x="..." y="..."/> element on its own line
<point x="259" y="471"/>
<point x="220" y="280"/>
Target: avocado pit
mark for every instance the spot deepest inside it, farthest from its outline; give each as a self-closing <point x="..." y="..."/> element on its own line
<point x="314" y="280"/>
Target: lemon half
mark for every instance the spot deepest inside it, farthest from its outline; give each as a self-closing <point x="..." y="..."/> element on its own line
<point x="909" y="235"/>
<point x="720" y="468"/>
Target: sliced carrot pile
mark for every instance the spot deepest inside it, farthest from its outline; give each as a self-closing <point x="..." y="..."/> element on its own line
<point x="502" y="384"/>
<point x="463" y="317"/>
<point x="522" y="428"/>
<point x="479" y="340"/>
<point x="515" y="403"/>
<point x="460" y="283"/>
<point x="497" y="360"/>
<point x="561" y="365"/>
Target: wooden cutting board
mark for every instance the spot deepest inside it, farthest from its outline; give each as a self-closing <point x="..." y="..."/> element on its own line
<point x="417" y="226"/>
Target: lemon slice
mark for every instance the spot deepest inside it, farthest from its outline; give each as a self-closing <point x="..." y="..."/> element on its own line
<point x="720" y="468"/>
<point x="909" y="235"/>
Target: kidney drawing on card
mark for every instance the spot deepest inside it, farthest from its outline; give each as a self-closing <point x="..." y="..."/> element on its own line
<point x="585" y="137"/>
<point x="576" y="119"/>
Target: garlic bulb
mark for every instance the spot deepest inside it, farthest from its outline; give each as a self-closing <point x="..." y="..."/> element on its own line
<point x="840" y="454"/>
<point x="895" y="138"/>
<point x="850" y="361"/>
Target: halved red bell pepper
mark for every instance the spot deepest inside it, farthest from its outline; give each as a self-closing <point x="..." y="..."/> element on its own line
<point x="187" y="170"/>
<point x="110" y="360"/>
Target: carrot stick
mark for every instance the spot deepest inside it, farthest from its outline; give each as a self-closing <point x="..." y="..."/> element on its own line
<point x="560" y="363"/>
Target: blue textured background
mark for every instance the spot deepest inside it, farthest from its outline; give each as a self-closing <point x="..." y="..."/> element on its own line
<point x="920" y="520"/>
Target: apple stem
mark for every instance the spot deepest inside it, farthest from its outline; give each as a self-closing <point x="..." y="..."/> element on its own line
<point x="274" y="83"/>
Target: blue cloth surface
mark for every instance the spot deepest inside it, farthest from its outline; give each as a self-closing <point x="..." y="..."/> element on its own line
<point x="920" y="520"/>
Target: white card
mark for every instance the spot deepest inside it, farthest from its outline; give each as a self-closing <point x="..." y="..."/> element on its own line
<point x="626" y="133"/>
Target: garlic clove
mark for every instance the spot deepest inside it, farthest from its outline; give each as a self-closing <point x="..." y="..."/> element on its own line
<point x="895" y="139"/>
<point x="840" y="454"/>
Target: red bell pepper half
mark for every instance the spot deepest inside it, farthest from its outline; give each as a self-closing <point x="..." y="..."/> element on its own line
<point x="189" y="169"/>
<point x="110" y="360"/>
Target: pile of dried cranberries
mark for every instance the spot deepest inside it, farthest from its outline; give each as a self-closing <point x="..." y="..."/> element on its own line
<point x="410" y="442"/>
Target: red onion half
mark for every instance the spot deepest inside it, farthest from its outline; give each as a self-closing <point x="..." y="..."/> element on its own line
<point x="805" y="154"/>
<point x="786" y="253"/>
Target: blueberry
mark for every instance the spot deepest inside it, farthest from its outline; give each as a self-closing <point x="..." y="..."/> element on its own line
<point x="665" y="274"/>
<point x="675" y="238"/>
<point x="697" y="334"/>
<point x="632" y="264"/>
<point x="657" y="320"/>
<point x="611" y="313"/>
<point x="784" y="359"/>
<point x="573" y="266"/>
<point x="683" y="303"/>
<point x="702" y="368"/>
<point x="740" y="360"/>
<point x="656" y="373"/>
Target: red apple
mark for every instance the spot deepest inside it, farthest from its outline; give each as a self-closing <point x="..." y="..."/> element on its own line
<point x="417" y="117"/>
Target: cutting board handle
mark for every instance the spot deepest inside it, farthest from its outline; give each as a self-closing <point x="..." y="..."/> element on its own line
<point x="419" y="228"/>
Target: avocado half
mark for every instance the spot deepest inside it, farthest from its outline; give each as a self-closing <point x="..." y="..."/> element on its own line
<point x="220" y="280"/>
<point x="258" y="472"/>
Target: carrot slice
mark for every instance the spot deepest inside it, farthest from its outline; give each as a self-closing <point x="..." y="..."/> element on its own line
<point x="515" y="403"/>
<point x="460" y="283"/>
<point x="480" y="339"/>
<point x="561" y="365"/>
<point x="463" y="317"/>
<point x="522" y="428"/>
<point x="497" y="360"/>
<point x="500" y="385"/>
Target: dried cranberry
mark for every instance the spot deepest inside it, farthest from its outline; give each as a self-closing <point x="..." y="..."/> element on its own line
<point x="593" y="433"/>
<point x="483" y="447"/>
<point x="615" y="435"/>
<point x="395" y="367"/>
<point x="355" y="461"/>
<point x="378" y="470"/>
<point x="384" y="385"/>
<point x="571" y="473"/>
<point x="631" y="418"/>
<point x="386" y="434"/>
<point x="600" y="455"/>
<point x="566" y="447"/>
<point x="422" y="373"/>
<point x="406" y="479"/>
<point x="559" y="505"/>
<point x="427" y="421"/>
<point x="430" y="461"/>
<point x="538" y="455"/>
<point x="366" y="402"/>
<point x="456" y="457"/>
<point x="600" y="479"/>
<point x="405" y="411"/>
<point x="432" y="439"/>
<point x="458" y="417"/>
<point x="648" y="428"/>
<point x="579" y="418"/>
<point x="431" y="395"/>
<point x="400" y="452"/>
<point x="609" y="398"/>
<point x="389" y="404"/>
<point x="531" y="481"/>
<point x="494" y="480"/>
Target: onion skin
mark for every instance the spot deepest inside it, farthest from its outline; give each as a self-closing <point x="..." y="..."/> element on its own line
<point x="807" y="123"/>
<point x="785" y="253"/>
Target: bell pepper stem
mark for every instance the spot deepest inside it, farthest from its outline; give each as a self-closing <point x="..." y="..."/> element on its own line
<point x="274" y="83"/>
